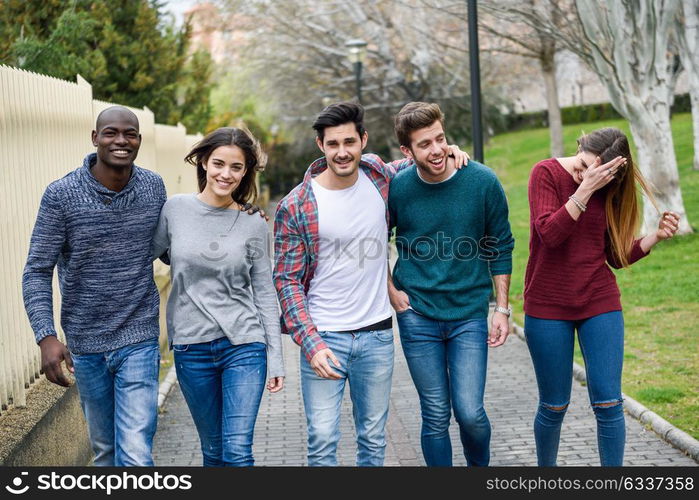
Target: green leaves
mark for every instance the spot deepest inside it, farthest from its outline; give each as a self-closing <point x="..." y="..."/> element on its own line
<point x="127" y="50"/>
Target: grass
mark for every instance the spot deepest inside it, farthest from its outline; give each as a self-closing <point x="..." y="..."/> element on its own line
<point x="659" y="293"/>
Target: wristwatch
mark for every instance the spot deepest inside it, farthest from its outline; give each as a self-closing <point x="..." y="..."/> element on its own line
<point x="507" y="311"/>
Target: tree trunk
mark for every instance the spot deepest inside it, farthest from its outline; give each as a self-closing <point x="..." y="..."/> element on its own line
<point x="656" y="160"/>
<point x="548" y="69"/>
<point x="690" y="60"/>
<point x="629" y="50"/>
<point x="694" y="97"/>
<point x="547" y="58"/>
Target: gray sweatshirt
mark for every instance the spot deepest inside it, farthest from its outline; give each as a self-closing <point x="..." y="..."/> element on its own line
<point x="221" y="277"/>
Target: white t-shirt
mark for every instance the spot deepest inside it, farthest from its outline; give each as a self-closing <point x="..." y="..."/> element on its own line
<point x="348" y="289"/>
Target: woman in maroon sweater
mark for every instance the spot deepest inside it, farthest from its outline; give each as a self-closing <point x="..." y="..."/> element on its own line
<point x="584" y="217"/>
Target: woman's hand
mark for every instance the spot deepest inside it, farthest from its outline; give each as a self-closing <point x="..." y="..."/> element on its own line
<point x="668" y="225"/>
<point x="275" y="384"/>
<point x="460" y="157"/>
<point x="597" y="175"/>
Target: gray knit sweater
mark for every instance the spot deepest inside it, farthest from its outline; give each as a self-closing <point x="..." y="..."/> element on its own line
<point x="221" y="277"/>
<point x="101" y="242"/>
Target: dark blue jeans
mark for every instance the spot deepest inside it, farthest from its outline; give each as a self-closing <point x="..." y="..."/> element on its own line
<point x="601" y="341"/>
<point x="223" y="385"/>
<point x="448" y="361"/>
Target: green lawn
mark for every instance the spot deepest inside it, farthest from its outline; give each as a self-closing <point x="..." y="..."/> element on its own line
<point x="660" y="295"/>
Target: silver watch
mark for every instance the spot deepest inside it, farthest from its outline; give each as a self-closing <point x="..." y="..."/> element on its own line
<point x="507" y="311"/>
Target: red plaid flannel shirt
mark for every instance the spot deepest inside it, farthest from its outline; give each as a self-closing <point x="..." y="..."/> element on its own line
<point x="296" y="247"/>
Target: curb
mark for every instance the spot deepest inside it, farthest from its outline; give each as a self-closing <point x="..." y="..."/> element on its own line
<point x="166" y="385"/>
<point x="677" y="438"/>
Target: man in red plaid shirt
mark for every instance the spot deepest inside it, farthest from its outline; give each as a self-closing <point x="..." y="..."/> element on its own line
<point x="331" y="251"/>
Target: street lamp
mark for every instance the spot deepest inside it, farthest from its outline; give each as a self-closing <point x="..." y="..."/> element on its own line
<point x="357" y="49"/>
<point x="475" y="70"/>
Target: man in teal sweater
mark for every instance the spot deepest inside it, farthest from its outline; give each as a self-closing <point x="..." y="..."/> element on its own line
<point x="453" y="240"/>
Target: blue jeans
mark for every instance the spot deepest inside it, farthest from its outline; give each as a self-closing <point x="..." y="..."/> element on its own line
<point x="448" y="362"/>
<point x="119" y="397"/>
<point x="551" y="343"/>
<point x="223" y="385"/>
<point x="366" y="360"/>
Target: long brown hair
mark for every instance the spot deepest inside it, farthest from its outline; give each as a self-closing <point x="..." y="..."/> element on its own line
<point x="621" y="205"/>
<point x="255" y="159"/>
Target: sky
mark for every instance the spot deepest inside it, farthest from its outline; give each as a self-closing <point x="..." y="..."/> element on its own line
<point x="177" y="7"/>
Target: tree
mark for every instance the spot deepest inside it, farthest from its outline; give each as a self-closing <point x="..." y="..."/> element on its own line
<point x="505" y="26"/>
<point x="19" y="19"/>
<point x="128" y="52"/>
<point x="533" y="43"/>
<point x="627" y="43"/>
<point x="194" y="108"/>
<point x="300" y="61"/>
<point x="629" y="48"/>
<point x="688" y="38"/>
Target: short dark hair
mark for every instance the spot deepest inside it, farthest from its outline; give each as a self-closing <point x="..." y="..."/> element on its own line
<point x="339" y="114"/>
<point x="414" y="116"/>
<point x="230" y="136"/>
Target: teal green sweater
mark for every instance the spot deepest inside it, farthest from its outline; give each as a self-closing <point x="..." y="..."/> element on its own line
<point x="451" y="237"/>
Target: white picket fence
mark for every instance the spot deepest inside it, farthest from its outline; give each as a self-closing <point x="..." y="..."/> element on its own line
<point x="45" y="126"/>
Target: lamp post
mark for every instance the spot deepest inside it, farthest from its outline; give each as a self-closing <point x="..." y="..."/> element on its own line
<point x="475" y="68"/>
<point x="357" y="49"/>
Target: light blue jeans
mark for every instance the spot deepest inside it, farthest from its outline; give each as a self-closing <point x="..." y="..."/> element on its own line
<point x="366" y="360"/>
<point x="550" y="343"/>
<point x="223" y="385"/>
<point x="448" y="362"/>
<point x="119" y="397"/>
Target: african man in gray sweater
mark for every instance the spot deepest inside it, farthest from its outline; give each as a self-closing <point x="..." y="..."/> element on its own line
<point x="96" y="224"/>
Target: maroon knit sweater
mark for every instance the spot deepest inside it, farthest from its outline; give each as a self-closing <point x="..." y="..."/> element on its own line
<point x="568" y="276"/>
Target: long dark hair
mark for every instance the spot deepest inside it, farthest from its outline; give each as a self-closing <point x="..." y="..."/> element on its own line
<point x="621" y="204"/>
<point x="255" y="159"/>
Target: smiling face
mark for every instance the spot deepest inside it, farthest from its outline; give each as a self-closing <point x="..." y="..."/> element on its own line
<point x="583" y="160"/>
<point x="225" y="168"/>
<point x="342" y="147"/>
<point x="429" y="149"/>
<point x="117" y="139"/>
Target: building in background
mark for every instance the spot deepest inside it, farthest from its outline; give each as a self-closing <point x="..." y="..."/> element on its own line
<point x="218" y="32"/>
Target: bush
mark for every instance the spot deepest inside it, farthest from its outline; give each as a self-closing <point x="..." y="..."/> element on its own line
<point x="572" y="115"/>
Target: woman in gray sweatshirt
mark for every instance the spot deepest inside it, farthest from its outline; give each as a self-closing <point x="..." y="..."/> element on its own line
<point x="222" y="315"/>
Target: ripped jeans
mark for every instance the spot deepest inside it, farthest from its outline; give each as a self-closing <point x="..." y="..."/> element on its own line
<point x="601" y="341"/>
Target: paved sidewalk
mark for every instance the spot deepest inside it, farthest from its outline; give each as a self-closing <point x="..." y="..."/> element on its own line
<point x="280" y="434"/>
<point x="510" y="401"/>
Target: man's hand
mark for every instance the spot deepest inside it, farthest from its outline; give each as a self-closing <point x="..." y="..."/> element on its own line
<point x="53" y="352"/>
<point x="399" y="300"/>
<point x="499" y="330"/>
<point x="251" y="209"/>
<point x="321" y="366"/>
<point x="460" y="157"/>
<point x="275" y="384"/>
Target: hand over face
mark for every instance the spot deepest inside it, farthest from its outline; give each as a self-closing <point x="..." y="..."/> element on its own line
<point x="598" y="175"/>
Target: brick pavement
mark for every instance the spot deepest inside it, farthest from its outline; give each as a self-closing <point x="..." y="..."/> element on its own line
<point x="280" y="434"/>
<point x="510" y="401"/>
